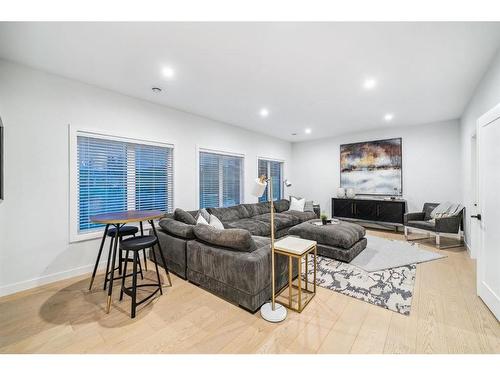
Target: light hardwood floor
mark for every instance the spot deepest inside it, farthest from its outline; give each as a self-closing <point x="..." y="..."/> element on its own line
<point x="63" y="317"/>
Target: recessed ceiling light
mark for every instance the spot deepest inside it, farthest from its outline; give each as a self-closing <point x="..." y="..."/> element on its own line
<point x="388" y="117"/>
<point x="369" y="83"/>
<point x="308" y="131"/>
<point x="294" y="134"/>
<point x="156" y="90"/>
<point x="264" y="112"/>
<point x="168" y="72"/>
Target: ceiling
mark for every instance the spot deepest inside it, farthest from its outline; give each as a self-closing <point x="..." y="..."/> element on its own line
<point x="308" y="75"/>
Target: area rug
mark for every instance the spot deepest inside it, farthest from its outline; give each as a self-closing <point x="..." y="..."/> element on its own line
<point x="382" y="254"/>
<point x="391" y="288"/>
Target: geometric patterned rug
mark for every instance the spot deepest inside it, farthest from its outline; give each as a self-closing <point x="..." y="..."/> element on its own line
<point x="391" y="288"/>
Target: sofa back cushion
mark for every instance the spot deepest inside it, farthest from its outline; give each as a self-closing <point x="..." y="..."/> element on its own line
<point x="234" y="239"/>
<point x="184" y="216"/>
<point x="281" y="205"/>
<point x="255" y="209"/>
<point x="226" y="214"/>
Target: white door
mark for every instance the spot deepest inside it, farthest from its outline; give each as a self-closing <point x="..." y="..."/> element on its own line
<point x="488" y="259"/>
<point x="474" y="239"/>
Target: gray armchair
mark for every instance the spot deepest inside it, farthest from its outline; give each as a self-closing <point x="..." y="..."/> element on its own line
<point x="421" y="221"/>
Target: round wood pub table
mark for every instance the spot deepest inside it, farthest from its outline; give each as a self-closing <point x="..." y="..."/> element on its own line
<point x="119" y="219"/>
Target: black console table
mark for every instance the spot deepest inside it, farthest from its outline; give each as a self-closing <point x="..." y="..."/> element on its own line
<point x="378" y="211"/>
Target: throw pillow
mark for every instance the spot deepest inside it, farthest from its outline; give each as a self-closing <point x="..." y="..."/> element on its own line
<point x="203" y="212"/>
<point x="201" y="220"/>
<point x="215" y="222"/>
<point x="297" y="204"/>
<point x="309" y="206"/>
<point x="185" y="217"/>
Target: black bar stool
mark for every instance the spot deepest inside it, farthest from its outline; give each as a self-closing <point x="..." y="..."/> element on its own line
<point x="125" y="230"/>
<point x="135" y="245"/>
<point x="122" y="232"/>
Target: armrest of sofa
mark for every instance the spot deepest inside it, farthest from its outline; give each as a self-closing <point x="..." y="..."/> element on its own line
<point x="177" y="228"/>
<point x="413" y="216"/>
<point x="448" y="224"/>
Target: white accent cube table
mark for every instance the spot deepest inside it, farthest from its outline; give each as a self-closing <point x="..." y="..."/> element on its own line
<point x="297" y="248"/>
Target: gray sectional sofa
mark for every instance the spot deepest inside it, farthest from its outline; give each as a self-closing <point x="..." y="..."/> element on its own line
<point x="233" y="264"/>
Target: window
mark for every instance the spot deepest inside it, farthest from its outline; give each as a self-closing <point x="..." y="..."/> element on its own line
<point x="221" y="179"/>
<point x="275" y="170"/>
<point x="117" y="175"/>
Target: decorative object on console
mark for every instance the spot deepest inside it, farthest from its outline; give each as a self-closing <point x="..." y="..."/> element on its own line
<point x="350" y="193"/>
<point x="372" y="168"/>
<point x="270" y="311"/>
<point x="341" y="192"/>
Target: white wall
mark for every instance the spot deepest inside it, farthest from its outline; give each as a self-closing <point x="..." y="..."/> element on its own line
<point x="486" y="96"/>
<point x="431" y="164"/>
<point x="36" y="109"/>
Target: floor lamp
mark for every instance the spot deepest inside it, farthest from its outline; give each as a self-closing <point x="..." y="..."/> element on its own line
<point x="270" y="311"/>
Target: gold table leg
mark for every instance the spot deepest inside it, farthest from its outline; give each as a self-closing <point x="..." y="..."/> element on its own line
<point x="306" y="270"/>
<point x="299" y="263"/>
<point x="315" y="265"/>
<point x="290" y="280"/>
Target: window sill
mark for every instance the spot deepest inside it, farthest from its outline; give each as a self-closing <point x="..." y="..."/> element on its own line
<point x="90" y="236"/>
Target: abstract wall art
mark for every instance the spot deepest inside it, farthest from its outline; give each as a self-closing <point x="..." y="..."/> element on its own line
<point x="372" y="168"/>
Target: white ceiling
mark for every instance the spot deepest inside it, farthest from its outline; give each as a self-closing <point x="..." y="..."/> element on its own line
<point x="306" y="74"/>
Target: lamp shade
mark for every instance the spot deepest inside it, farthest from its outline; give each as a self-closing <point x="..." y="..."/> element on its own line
<point x="288" y="183"/>
<point x="258" y="188"/>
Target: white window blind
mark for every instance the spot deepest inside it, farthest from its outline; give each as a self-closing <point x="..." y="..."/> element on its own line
<point x="275" y="170"/>
<point x="116" y="175"/>
<point x="221" y="180"/>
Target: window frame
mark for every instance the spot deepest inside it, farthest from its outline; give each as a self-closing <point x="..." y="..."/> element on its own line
<point x="276" y="160"/>
<point x="200" y="149"/>
<point x="74" y="132"/>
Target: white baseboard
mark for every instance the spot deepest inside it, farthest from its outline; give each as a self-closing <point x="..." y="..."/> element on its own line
<point x="6" y="290"/>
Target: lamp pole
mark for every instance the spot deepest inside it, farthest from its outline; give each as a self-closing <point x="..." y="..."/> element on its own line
<point x="270" y="184"/>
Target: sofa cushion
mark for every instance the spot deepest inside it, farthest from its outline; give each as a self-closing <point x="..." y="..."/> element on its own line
<point x="343" y="235"/>
<point x="255" y="227"/>
<point x="177" y="228"/>
<point x="226" y="214"/>
<point x="255" y="209"/>
<point x="281" y="220"/>
<point x="422" y="224"/>
<point x="301" y="216"/>
<point x="235" y="239"/>
<point x="281" y="205"/>
<point x="185" y="217"/>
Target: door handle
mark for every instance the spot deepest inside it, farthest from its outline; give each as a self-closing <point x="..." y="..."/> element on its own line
<point x="478" y="216"/>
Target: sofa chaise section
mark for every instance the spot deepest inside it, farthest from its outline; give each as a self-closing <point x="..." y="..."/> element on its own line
<point x="241" y="277"/>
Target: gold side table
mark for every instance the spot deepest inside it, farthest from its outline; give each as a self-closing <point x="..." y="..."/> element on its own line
<point x="297" y="248"/>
